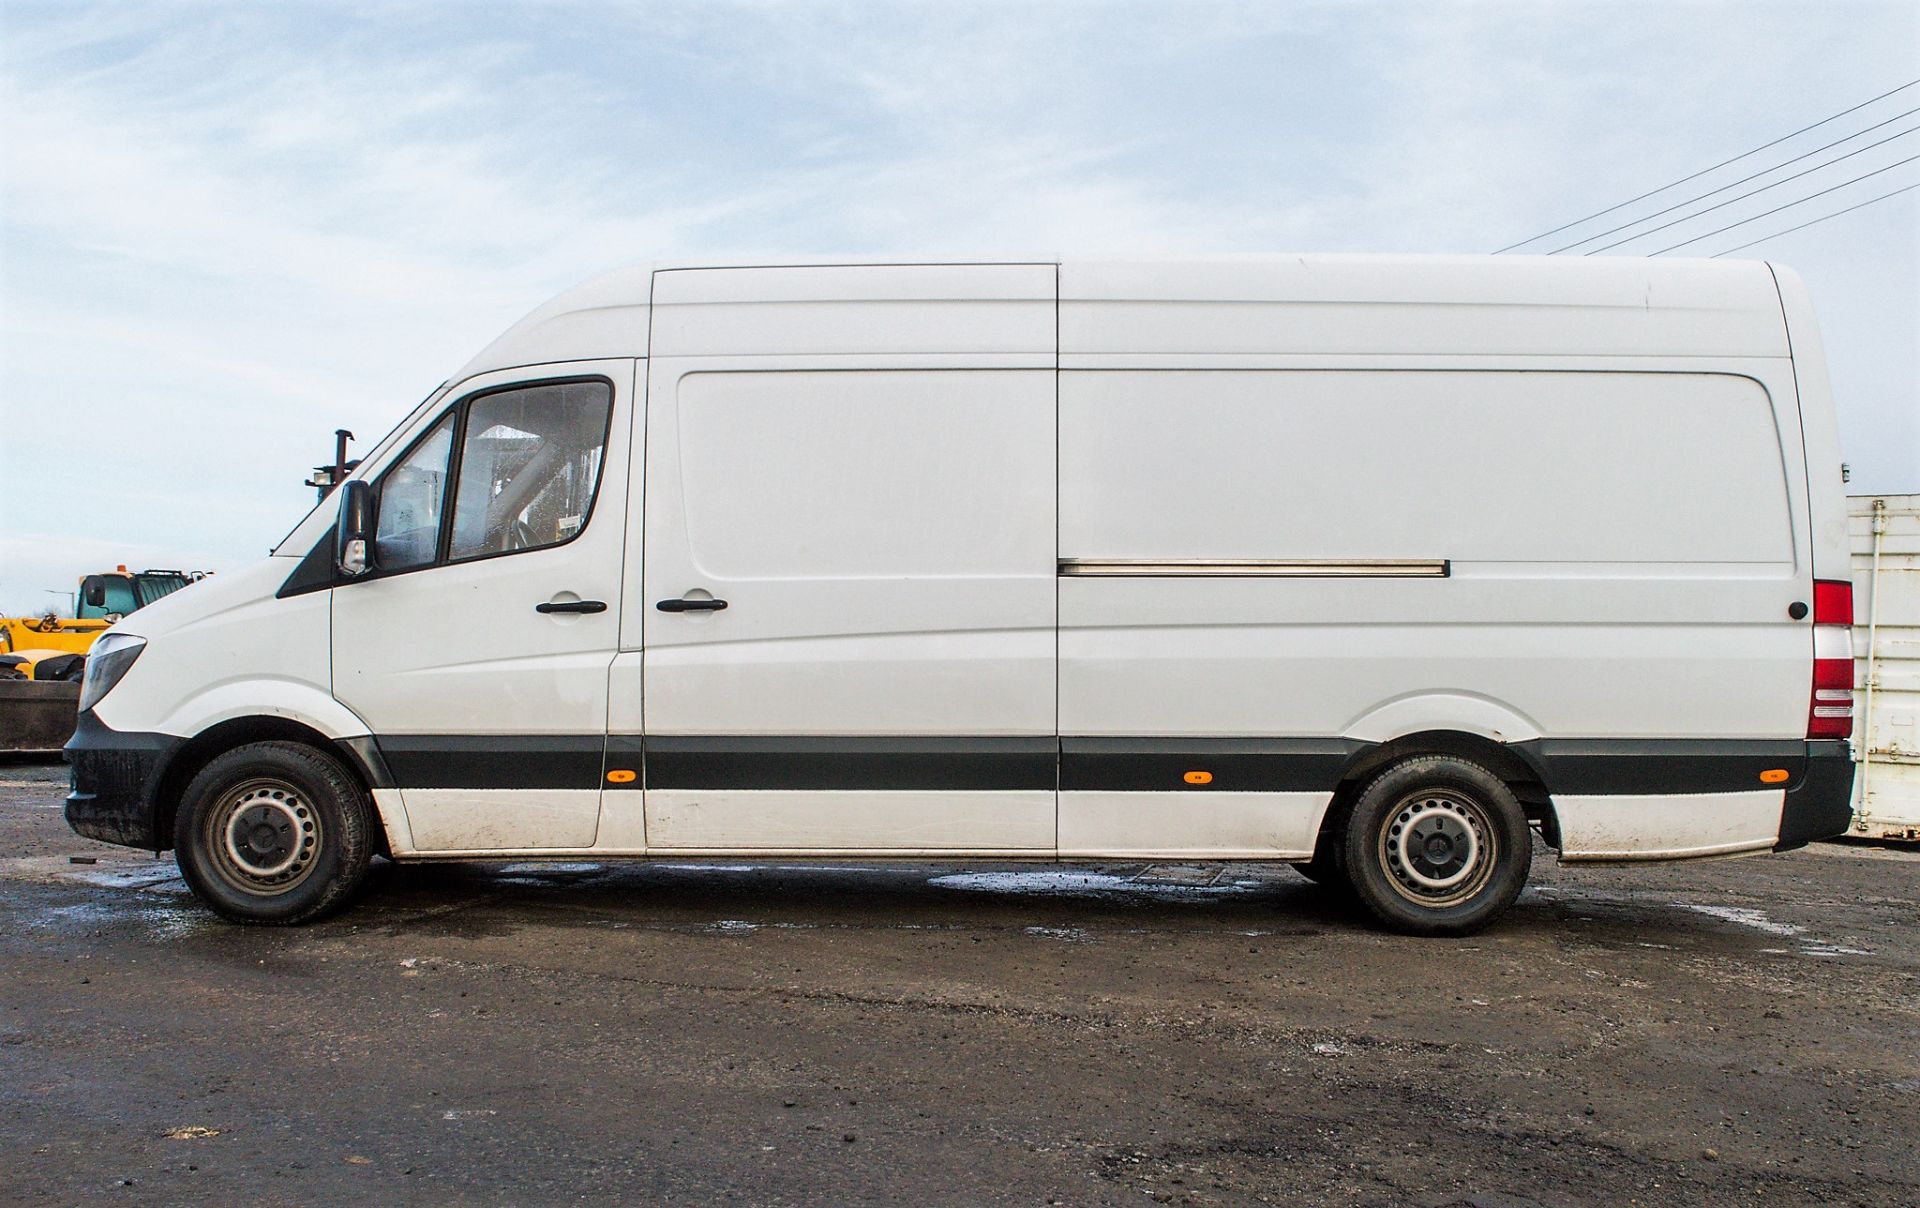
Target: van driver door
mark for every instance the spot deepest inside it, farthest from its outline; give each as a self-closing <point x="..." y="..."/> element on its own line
<point x="476" y="649"/>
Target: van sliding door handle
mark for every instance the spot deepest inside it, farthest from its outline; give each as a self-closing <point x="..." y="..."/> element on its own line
<point x="571" y="606"/>
<point x="691" y="605"/>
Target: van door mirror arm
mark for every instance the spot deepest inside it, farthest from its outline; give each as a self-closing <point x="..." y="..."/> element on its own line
<point x="353" y="532"/>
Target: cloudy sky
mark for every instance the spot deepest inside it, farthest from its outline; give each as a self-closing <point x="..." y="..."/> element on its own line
<point x="227" y="229"/>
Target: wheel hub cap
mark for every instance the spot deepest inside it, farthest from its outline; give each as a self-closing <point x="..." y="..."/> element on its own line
<point x="269" y="833"/>
<point x="1436" y="846"/>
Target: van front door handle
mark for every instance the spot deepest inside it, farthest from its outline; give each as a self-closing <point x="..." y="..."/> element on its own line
<point x="691" y="605"/>
<point x="571" y="606"/>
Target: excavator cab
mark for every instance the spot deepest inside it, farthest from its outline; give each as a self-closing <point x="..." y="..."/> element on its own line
<point x="116" y="593"/>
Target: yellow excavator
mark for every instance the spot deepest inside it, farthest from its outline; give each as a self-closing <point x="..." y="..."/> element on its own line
<point x="42" y="657"/>
<point x="102" y="599"/>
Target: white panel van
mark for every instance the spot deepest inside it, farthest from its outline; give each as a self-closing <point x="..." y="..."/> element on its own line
<point x="1374" y="565"/>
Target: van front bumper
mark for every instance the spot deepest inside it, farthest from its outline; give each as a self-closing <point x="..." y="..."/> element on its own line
<point x="115" y="783"/>
<point x="1820" y="806"/>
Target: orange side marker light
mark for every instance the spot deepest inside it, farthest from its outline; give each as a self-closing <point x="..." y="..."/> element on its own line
<point x="1198" y="777"/>
<point x="1773" y="776"/>
<point x="621" y="776"/>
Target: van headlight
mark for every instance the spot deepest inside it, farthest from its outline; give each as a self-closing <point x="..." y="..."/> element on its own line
<point x="107" y="663"/>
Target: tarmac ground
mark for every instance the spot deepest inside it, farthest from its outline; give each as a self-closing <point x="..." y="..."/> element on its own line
<point x="1735" y="1032"/>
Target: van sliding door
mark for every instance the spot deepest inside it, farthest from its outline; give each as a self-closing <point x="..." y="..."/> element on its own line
<point x="849" y="583"/>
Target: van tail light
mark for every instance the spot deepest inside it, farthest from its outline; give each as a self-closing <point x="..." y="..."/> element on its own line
<point x="1830" y="713"/>
<point x="1832" y="602"/>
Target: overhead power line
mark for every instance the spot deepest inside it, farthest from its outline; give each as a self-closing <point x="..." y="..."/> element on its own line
<point x="1749" y="193"/>
<point x="1775" y="210"/>
<point x="1816" y="221"/>
<point x="1743" y="180"/>
<point x="1702" y="172"/>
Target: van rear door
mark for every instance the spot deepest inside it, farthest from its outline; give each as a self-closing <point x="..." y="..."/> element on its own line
<point x="850" y="557"/>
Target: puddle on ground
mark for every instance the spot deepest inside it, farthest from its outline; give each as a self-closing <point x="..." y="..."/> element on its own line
<point x="160" y="918"/>
<point x="867" y="869"/>
<point x="1091" y="884"/>
<point x="708" y="867"/>
<point x="1805" y="943"/>
<point x="1746" y="916"/>
<point x="167" y="878"/>
<point x="1070" y="935"/>
<point x="112" y="874"/>
<point x="543" y="868"/>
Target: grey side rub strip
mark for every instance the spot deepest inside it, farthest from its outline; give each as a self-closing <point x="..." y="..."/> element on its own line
<point x="1297" y="568"/>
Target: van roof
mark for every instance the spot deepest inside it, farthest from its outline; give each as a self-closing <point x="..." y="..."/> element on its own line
<point x="1240" y="305"/>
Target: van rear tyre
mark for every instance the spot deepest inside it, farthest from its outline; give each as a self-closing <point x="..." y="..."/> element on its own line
<point x="273" y="833"/>
<point x="1437" y="845"/>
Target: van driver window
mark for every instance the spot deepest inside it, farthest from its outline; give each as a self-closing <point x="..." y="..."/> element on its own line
<point x="529" y="467"/>
<point x="408" y="533"/>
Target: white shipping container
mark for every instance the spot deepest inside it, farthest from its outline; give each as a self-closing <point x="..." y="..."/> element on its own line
<point x="1884" y="533"/>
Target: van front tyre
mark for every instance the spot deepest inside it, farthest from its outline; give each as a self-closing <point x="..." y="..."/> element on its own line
<point x="273" y="833"/>
<point x="1437" y="845"/>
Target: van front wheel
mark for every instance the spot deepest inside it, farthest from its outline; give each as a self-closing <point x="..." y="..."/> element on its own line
<point x="1437" y="845"/>
<point x="273" y="832"/>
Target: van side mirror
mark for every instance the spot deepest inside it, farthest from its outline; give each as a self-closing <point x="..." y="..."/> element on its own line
<point x="93" y="591"/>
<point x="353" y="532"/>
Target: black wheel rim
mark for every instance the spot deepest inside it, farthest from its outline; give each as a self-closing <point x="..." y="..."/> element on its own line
<point x="263" y="836"/>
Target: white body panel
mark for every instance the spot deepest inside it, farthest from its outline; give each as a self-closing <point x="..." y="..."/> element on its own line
<point x="725" y="821"/>
<point x="1667" y="826"/>
<point x="885" y="572"/>
<point x="1886" y="634"/>
<point x="229" y="649"/>
<point x="1190" y="826"/>
<point x="441" y="820"/>
<point x="1478" y="306"/>
<point x="1552" y="494"/>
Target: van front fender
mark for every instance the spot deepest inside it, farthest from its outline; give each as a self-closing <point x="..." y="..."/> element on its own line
<point x="294" y="700"/>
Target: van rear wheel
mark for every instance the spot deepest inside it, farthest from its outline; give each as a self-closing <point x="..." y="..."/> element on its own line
<point x="273" y="833"/>
<point x="1437" y="845"/>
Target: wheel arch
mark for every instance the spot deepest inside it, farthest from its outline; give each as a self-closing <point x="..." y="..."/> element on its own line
<point x="1510" y="763"/>
<point x="359" y="755"/>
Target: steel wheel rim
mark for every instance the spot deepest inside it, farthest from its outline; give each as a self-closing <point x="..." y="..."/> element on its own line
<point x="264" y="835"/>
<point x="1438" y="847"/>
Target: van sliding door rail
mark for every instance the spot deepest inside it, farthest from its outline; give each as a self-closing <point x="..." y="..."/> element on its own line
<point x="1329" y="568"/>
